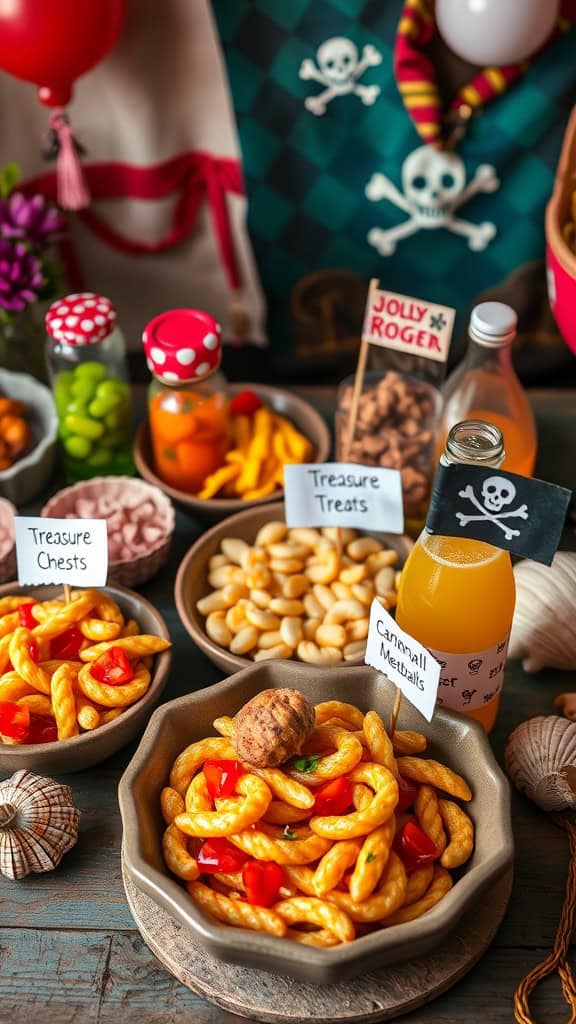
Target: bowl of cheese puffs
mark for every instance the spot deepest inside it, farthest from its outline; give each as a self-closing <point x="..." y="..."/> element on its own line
<point x="78" y="678"/>
<point x="278" y="820"/>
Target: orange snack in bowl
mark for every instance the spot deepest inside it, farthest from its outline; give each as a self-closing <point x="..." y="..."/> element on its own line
<point x="14" y="431"/>
<point x="262" y="443"/>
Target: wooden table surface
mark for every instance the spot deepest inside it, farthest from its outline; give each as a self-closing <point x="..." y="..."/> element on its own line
<point x="69" y="950"/>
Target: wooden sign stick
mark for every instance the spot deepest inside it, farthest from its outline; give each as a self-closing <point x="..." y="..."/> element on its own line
<point x="356" y="393"/>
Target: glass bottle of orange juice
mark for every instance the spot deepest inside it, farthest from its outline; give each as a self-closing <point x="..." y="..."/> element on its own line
<point x="485" y="387"/>
<point x="456" y="595"/>
<point x="187" y="402"/>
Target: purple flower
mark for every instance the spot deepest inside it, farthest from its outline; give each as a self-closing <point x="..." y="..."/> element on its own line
<point x="20" y="276"/>
<point x="30" y="220"/>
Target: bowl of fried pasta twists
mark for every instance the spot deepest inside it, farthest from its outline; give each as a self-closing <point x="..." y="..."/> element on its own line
<point x="78" y="679"/>
<point x="277" y="820"/>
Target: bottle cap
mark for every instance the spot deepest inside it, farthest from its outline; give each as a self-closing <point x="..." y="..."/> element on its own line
<point x="493" y="324"/>
<point x="182" y="345"/>
<point x="81" y="319"/>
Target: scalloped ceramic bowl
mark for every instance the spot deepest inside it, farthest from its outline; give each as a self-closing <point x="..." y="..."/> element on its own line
<point x="192" y="580"/>
<point x="301" y="413"/>
<point x="28" y="477"/>
<point x="458" y="741"/>
<point x="90" y="748"/>
<point x="7" y="540"/>
<point x="122" y="491"/>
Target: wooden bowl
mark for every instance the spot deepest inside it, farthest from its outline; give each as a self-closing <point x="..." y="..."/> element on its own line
<point x="90" y="748"/>
<point x="456" y="741"/>
<point x="192" y="581"/>
<point x="302" y="415"/>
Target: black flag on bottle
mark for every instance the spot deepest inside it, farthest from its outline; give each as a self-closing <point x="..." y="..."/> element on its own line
<point x="517" y="513"/>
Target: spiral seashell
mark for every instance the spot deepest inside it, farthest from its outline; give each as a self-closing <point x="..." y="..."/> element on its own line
<point x="544" y="626"/>
<point x="540" y="759"/>
<point x="38" y="824"/>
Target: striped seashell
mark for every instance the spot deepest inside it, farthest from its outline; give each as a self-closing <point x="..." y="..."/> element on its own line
<point x="38" y="824"/>
<point x="541" y="761"/>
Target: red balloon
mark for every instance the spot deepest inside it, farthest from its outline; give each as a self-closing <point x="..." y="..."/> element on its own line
<point x="53" y="42"/>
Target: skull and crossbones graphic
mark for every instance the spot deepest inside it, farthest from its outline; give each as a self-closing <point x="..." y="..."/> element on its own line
<point x="434" y="187"/>
<point x="338" y="68"/>
<point x="497" y="493"/>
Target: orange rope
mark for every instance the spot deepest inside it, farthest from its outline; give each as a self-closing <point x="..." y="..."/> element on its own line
<point x="557" y="959"/>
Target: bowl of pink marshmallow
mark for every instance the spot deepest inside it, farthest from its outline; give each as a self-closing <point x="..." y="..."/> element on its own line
<point x="140" y="521"/>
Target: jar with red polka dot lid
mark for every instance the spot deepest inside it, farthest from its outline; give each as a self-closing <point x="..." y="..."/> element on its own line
<point x="86" y="357"/>
<point x="188" y="405"/>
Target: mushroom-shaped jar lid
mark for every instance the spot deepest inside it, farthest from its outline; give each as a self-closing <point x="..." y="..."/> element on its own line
<point x="182" y="345"/>
<point x="81" y="319"/>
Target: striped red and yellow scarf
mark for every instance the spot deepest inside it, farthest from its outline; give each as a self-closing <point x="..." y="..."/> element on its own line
<point x="416" y="76"/>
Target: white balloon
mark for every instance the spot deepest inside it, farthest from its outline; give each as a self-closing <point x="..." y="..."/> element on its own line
<point x="487" y="32"/>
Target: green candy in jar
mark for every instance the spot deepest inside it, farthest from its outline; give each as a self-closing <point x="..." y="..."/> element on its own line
<point x="87" y="363"/>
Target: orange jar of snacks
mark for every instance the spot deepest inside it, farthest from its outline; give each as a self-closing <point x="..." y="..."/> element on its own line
<point x="188" y="405"/>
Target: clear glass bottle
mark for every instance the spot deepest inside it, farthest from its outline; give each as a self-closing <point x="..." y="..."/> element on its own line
<point x="86" y="358"/>
<point x="396" y="427"/>
<point x="187" y="399"/>
<point x="485" y="387"/>
<point x="457" y="595"/>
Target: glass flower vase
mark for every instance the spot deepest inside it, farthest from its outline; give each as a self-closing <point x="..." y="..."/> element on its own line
<point x="22" y="343"/>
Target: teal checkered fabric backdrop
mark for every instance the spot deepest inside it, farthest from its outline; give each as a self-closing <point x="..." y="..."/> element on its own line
<point x="306" y="175"/>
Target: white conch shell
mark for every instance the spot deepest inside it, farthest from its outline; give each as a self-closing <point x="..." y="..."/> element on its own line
<point x="544" y="626"/>
<point x="541" y="761"/>
<point x="38" y="824"/>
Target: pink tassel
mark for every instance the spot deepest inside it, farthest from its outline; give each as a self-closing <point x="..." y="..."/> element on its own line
<point x="73" y="193"/>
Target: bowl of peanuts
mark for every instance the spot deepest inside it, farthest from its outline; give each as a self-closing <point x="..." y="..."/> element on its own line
<point x="78" y="679"/>
<point x="250" y="589"/>
<point x="286" y="830"/>
<point x="28" y="436"/>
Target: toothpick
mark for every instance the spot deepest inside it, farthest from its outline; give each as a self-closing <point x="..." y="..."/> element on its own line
<point x="67" y="596"/>
<point x="395" y="712"/>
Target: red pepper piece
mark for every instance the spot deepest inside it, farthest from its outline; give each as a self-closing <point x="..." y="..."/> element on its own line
<point x="14" y="720"/>
<point x="112" y="668"/>
<point x="66" y="646"/>
<point x="218" y="855"/>
<point x="334" y="797"/>
<point x="42" y="730"/>
<point x="407" y="793"/>
<point x="26" y="615"/>
<point x="245" y="404"/>
<point x="262" y="881"/>
<point x="414" y="847"/>
<point x="222" y="776"/>
<point x="33" y="651"/>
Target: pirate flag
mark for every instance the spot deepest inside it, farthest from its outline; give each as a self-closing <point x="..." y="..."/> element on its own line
<point x="517" y="513"/>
